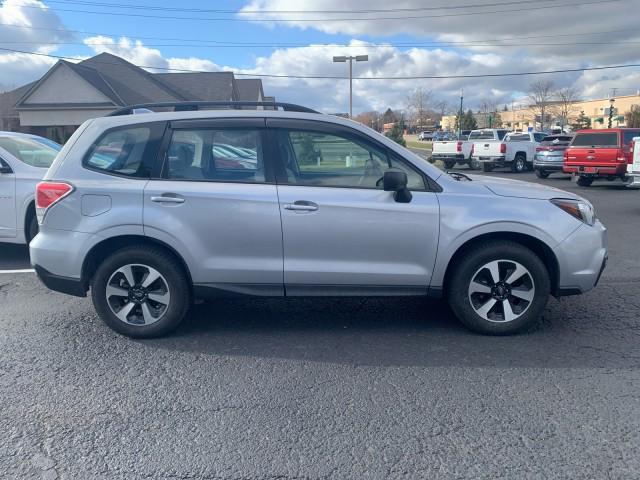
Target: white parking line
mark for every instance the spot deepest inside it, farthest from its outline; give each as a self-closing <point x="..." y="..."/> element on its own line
<point x="26" y="270"/>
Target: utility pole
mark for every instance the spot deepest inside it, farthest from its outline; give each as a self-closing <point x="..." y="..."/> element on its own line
<point x="460" y="114"/>
<point x="343" y="59"/>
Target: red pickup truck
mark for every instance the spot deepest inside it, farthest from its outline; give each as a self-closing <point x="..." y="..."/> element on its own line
<point x="600" y="154"/>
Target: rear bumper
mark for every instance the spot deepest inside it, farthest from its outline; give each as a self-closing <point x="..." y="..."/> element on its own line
<point x="458" y="157"/>
<point x="619" y="169"/>
<point x="546" y="164"/>
<point x="67" y="285"/>
<point x="582" y="258"/>
<point x="486" y="159"/>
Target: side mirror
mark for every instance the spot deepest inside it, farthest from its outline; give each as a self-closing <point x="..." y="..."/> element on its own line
<point x="395" y="180"/>
<point x="5" y="169"/>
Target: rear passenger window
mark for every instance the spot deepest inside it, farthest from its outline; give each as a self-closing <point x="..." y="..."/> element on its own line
<point x="130" y="151"/>
<point x="215" y="155"/>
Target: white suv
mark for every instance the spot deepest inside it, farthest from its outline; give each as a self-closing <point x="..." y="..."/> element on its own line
<point x="150" y="211"/>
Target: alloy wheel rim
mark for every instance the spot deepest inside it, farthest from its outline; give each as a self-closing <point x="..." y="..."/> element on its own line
<point x="138" y="294"/>
<point x="501" y="291"/>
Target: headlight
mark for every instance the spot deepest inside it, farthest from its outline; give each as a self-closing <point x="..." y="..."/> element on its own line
<point x="579" y="209"/>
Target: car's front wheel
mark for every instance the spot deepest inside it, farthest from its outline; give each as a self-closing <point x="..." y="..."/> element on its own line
<point x="487" y="167"/>
<point x="474" y="164"/>
<point x="542" y="173"/>
<point x="141" y="292"/>
<point x="498" y="288"/>
<point x="519" y="164"/>
<point x="448" y="164"/>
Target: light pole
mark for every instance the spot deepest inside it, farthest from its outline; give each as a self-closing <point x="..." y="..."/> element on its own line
<point x="611" y="103"/>
<point x="343" y="59"/>
<point x="460" y="114"/>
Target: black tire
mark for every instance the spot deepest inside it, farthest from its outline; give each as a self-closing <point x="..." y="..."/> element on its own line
<point x="474" y="164"/>
<point x="542" y="173"/>
<point x="170" y="269"/>
<point x="32" y="228"/>
<point x="519" y="163"/>
<point x="474" y="259"/>
<point x="487" y="167"/>
<point x="584" y="181"/>
<point x="448" y="164"/>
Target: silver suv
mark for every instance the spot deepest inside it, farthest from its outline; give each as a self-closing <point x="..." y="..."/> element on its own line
<point x="152" y="211"/>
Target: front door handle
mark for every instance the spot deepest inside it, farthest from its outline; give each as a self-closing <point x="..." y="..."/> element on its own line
<point x="301" y="206"/>
<point x="167" y="199"/>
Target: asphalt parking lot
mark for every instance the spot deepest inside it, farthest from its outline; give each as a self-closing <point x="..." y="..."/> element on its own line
<point x="331" y="388"/>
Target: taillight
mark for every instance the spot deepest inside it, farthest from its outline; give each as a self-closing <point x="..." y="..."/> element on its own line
<point x="503" y="148"/>
<point x="632" y="146"/>
<point x="565" y="156"/>
<point x="540" y="149"/>
<point x="459" y="147"/>
<point x="473" y="148"/>
<point x="48" y="194"/>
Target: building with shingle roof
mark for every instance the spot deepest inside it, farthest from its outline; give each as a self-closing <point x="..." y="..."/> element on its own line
<point x="70" y="93"/>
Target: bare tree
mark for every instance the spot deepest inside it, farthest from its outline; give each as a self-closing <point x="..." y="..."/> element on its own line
<point x="567" y="98"/>
<point x="418" y="102"/>
<point x="488" y="109"/>
<point x="540" y="94"/>
<point x="441" y="107"/>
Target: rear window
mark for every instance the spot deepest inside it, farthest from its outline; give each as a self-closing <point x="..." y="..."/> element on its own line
<point x="604" y="139"/>
<point x="481" y="135"/>
<point x="129" y="151"/>
<point x="550" y="141"/>
<point x="31" y="152"/>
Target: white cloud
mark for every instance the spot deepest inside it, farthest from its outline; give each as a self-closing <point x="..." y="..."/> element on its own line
<point x="32" y="22"/>
<point x="135" y="52"/>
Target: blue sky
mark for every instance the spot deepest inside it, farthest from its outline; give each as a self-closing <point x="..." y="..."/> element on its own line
<point x="523" y="36"/>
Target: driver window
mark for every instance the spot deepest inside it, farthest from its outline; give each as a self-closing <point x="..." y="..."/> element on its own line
<point x="325" y="160"/>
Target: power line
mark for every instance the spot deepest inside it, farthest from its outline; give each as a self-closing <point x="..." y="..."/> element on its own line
<point x="285" y="44"/>
<point x="248" y="11"/>
<point x="335" y="77"/>
<point x="329" y="45"/>
<point x="292" y="20"/>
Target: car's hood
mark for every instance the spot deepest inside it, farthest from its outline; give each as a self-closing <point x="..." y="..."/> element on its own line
<point x="506" y="187"/>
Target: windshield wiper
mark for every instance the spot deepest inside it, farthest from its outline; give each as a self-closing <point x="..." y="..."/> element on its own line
<point x="460" y="176"/>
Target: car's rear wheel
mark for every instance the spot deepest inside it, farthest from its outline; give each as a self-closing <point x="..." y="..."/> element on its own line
<point x="519" y="163"/>
<point x="585" y="181"/>
<point x="141" y="292"/>
<point x="542" y="173"/>
<point x="32" y="228"/>
<point x="448" y="164"/>
<point x="498" y="288"/>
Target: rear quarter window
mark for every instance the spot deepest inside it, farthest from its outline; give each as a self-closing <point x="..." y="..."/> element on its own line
<point x="596" y="139"/>
<point x="130" y="151"/>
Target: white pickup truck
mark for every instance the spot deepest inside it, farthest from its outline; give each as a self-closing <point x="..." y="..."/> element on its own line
<point x="633" y="168"/>
<point x="515" y="150"/>
<point x="453" y="151"/>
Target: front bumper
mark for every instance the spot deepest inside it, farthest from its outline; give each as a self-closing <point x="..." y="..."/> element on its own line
<point x="582" y="258"/>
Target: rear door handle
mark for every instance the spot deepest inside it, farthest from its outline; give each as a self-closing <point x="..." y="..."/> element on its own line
<point x="302" y="206"/>
<point x="167" y="199"/>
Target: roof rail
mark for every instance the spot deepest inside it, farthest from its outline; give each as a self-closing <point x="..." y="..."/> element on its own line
<point x="197" y="105"/>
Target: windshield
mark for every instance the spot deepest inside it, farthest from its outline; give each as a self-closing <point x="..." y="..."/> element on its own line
<point x="30" y="151"/>
<point x="551" y="141"/>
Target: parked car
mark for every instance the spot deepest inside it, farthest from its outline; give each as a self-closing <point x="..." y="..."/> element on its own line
<point x="516" y="151"/>
<point x="453" y="151"/>
<point x="549" y="155"/>
<point x="425" y="136"/>
<point x="595" y="154"/>
<point x="24" y="160"/>
<point x="633" y="168"/>
<point x="440" y="136"/>
<point x="365" y="217"/>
